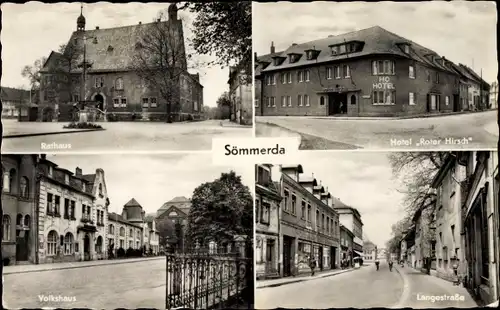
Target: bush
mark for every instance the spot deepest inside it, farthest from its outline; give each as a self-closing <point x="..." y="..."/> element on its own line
<point x="130" y="252"/>
<point x="112" y="117"/>
<point x="137" y="253"/>
<point x="120" y="252"/>
<point x="82" y="126"/>
<point x="6" y="261"/>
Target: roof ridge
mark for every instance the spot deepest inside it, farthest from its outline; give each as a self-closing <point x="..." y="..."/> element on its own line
<point x="126" y="26"/>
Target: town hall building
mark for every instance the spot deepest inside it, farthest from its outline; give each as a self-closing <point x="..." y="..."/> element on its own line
<point x="370" y="72"/>
<point x="107" y="60"/>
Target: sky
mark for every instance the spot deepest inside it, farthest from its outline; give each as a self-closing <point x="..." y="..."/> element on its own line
<point x="45" y="27"/>
<point x="151" y="179"/>
<point x="462" y="31"/>
<point x="362" y="180"/>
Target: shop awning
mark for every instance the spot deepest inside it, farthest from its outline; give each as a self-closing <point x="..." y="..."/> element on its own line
<point x="358" y="253"/>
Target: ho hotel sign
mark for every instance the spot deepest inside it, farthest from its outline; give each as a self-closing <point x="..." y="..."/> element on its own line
<point x="384" y="82"/>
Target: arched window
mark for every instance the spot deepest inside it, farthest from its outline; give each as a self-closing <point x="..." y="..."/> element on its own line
<point x="19" y="219"/>
<point x="353" y="99"/>
<point x="119" y="84"/>
<point x="131" y="233"/>
<point x="98" y="245"/>
<point x="111" y="229"/>
<point x="24" y="188"/>
<point x="68" y="244"/>
<point x="27" y="221"/>
<point x="322" y="100"/>
<point x="6" y="228"/>
<point x="8" y="180"/>
<point x="122" y="232"/>
<point x="52" y="243"/>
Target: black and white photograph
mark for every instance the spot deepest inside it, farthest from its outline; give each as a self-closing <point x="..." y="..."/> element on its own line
<point x="380" y="75"/>
<point x="137" y="231"/>
<point x="125" y="76"/>
<point x="373" y="229"/>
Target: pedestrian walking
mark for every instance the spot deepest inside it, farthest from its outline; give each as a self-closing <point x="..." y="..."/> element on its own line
<point x="377" y="263"/>
<point x="312" y="265"/>
<point x="390" y="265"/>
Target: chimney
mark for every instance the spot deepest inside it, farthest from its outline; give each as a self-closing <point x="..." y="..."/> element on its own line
<point x="273" y="49"/>
<point x="294" y="44"/>
<point x="96" y="27"/>
<point x="140" y="23"/>
<point x="158" y="20"/>
<point x="78" y="171"/>
<point x="43" y="156"/>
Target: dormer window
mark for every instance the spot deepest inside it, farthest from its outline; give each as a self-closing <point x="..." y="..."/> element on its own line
<point x="407" y="49"/>
<point x="310" y="55"/>
<point x="50" y="171"/>
<point x="84" y="187"/>
<point x="278" y="60"/>
<point x="66" y="179"/>
<point x="335" y="50"/>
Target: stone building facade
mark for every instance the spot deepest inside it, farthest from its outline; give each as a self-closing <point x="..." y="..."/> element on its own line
<point x="177" y="211"/>
<point x="346" y="244"/>
<point x="126" y="230"/>
<point x="19" y="192"/>
<point x="309" y="225"/>
<point x="240" y="94"/>
<point x="111" y="84"/>
<point x="72" y="214"/>
<point x="351" y="219"/>
<point x="267" y="223"/>
<point x="370" y="72"/>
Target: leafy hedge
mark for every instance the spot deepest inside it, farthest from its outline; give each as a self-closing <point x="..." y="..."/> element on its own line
<point x="82" y="126"/>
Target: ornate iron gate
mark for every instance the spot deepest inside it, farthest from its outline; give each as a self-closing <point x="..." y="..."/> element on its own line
<point x="208" y="279"/>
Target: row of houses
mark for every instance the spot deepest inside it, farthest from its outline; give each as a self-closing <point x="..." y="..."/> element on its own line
<point x="51" y="214"/>
<point x="297" y="220"/>
<point x="370" y="72"/>
<point x="456" y="236"/>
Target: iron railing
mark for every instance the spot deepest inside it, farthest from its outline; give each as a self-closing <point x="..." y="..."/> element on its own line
<point x="198" y="279"/>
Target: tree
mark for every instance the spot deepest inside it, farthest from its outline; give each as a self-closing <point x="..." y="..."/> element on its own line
<point x="32" y="73"/>
<point x="160" y="60"/>
<point x="220" y="210"/>
<point x="166" y="231"/>
<point x="416" y="170"/>
<point x="224" y="106"/>
<point x="224" y="29"/>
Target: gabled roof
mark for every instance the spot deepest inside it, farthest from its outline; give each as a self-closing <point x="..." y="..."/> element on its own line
<point x="376" y="40"/>
<point x="262" y="62"/>
<point x="115" y="48"/>
<point x="14" y="94"/>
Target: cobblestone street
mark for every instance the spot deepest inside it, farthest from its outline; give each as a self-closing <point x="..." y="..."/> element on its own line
<point x="123" y="136"/>
<point x="140" y="284"/>
<point x="365" y="288"/>
<point x="481" y="128"/>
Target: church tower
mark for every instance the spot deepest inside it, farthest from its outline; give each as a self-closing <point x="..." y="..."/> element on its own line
<point x="80" y="21"/>
<point x="172" y="12"/>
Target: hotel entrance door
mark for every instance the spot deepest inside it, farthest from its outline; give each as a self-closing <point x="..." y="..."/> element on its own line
<point x="337" y="103"/>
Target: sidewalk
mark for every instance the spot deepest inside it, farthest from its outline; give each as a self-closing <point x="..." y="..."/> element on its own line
<point x="227" y="123"/>
<point x="300" y="278"/>
<point x="417" y="284"/>
<point x="71" y="265"/>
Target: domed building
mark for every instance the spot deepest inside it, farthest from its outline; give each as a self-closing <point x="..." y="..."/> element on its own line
<point x="132" y="229"/>
<point x="114" y="87"/>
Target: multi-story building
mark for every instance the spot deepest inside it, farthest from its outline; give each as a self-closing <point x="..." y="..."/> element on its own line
<point x="261" y="62"/>
<point x="448" y="250"/>
<point x="112" y="85"/>
<point x="494" y="95"/>
<point x="177" y="211"/>
<point x="72" y="214"/>
<point x="369" y="251"/>
<point x="240" y="94"/>
<point x="480" y="223"/>
<point x="351" y="219"/>
<point x="126" y="230"/>
<point x="346" y="244"/>
<point x="370" y="72"/>
<point x="424" y="237"/>
<point x="309" y="226"/>
<point x="19" y="201"/>
<point x="151" y="236"/>
<point x="19" y="104"/>
<point x="267" y="223"/>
